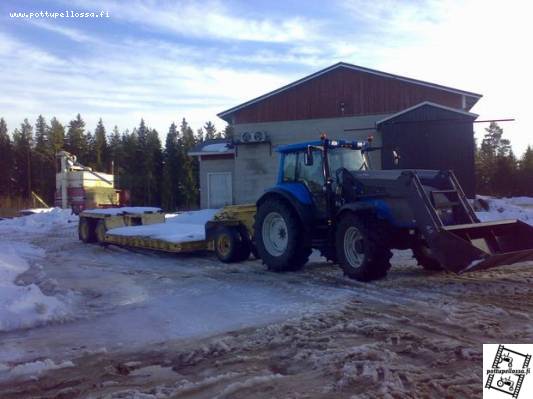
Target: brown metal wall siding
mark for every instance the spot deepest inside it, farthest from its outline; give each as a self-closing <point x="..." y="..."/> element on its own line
<point x="362" y="93"/>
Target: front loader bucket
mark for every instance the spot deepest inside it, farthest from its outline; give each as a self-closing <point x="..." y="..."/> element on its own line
<point x="478" y="246"/>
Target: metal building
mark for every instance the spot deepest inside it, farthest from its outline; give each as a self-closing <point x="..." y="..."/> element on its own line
<point x="346" y="101"/>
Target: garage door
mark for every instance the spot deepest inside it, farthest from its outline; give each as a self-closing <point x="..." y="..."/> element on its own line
<point x="220" y="189"/>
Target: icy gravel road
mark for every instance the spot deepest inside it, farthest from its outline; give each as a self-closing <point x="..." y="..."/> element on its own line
<point x="143" y="325"/>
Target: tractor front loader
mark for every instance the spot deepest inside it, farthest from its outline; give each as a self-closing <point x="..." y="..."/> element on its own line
<point x="328" y="198"/>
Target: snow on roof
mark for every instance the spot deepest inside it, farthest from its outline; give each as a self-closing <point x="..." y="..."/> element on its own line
<point x="218" y="147"/>
<point x="212" y="147"/>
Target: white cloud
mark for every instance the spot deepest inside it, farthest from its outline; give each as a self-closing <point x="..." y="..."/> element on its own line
<point x="477" y="45"/>
<point x="206" y="19"/>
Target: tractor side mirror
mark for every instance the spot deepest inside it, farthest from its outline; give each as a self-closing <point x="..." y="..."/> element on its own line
<point x="396" y="157"/>
<point x="308" y="156"/>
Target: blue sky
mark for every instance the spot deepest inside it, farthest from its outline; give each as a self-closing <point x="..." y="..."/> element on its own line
<point x="164" y="60"/>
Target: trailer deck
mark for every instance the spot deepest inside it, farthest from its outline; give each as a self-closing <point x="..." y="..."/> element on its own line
<point x="126" y="227"/>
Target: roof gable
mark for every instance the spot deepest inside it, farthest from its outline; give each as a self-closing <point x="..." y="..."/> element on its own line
<point x="472" y="98"/>
<point x="429" y="104"/>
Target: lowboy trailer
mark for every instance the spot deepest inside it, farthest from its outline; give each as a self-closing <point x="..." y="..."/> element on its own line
<point x="234" y="222"/>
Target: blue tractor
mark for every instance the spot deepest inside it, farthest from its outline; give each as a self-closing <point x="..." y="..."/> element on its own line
<point x="328" y="198"/>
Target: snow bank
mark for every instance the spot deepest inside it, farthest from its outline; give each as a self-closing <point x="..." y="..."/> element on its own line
<point x="38" y="222"/>
<point x="23" y="306"/>
<point x="32" y="368"/>
<point x="520" y="208"/>
<point x="183" y="227"/>
<point x="124" y="209"/>
<point x="32" y="211"/>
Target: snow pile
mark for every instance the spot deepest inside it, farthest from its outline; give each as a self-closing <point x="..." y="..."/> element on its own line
<point x="32" y="368"/>
<point x="183" y="227"/>
<point x="520" y="208"/>
<point x="124" y="209"/>
<point x="23" y="306"/>
<point x="38" y="222"/>
<point x="32" y="211"/>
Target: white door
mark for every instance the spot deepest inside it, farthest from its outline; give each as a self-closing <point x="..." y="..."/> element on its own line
<point x="219" y="190"/>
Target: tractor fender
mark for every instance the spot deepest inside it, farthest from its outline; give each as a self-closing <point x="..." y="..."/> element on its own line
<point x="304" y="211"/>
<point x="356" y="207"/>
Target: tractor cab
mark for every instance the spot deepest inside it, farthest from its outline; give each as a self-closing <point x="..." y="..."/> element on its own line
<point x="307" y="169"/>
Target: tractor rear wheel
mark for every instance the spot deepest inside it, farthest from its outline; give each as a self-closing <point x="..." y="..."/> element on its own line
<point x="423" y="256"/>
<point x="86" y="231"/>
<point x="362" y="249"/>
<point x="278" y="237"/>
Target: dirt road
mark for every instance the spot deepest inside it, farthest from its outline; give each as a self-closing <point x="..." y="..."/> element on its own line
<point x="301" y="335"/>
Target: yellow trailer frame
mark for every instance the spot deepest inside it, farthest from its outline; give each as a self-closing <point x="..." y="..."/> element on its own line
<point x="98" y="223"/>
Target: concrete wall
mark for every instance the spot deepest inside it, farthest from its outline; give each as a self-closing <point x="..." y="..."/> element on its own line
<point x="214" y="165"/>
<point x="256" y="165"/>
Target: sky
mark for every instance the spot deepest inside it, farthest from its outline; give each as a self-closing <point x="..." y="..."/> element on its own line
<point x="165" y="60"/>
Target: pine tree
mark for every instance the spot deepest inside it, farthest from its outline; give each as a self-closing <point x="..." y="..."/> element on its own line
<point x="22" y="146"/>
<point x="115" y="150"/>
<point x="210" y="131"/>
<point x="100" y="147"/>
<point x="228" y="132"/>
<point x="43" y="162"/>
<point x="57" y="136"/>
<point x="154" y="168"/>
<point x="88" y="155"/>
<point x="129" y="167"/>
<point x="526" y="172"/>
<point x="6" y="161"/>
<point x="492" y="147"/>
<point x="190" y="165"/>
<point x="76" y="141"/>
<point x="172" y="196"/>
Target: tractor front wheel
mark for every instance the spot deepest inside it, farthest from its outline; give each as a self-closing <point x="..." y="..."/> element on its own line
<point x="278" y="237"/>
<point x="362" y="251"/>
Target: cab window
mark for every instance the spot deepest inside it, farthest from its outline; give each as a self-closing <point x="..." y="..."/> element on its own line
<point x="289" y="167"/>
<point x="311" y="175"/>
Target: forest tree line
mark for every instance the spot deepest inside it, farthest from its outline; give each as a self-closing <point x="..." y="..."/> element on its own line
<point x="154" y="173"/>
<point x="164" y="175"/>
<point x="499" y="172"/>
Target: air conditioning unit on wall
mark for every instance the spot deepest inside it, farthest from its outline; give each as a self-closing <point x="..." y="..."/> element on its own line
<point x="253" y="137"/>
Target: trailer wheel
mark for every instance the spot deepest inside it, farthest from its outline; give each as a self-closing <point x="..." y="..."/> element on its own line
<point x="278" y="237"/>
<point x="362" y="248"/>
<point x="86" y="231"/>
<point x="423" y="256"/>
<point x="227" y="244"/>
<point x="100" y="232"/>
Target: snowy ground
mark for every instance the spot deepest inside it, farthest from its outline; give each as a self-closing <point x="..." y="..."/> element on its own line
<point x="86" y="321"/>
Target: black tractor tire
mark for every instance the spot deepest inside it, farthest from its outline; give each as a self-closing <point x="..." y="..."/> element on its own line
<point x="422" y="254"/>
<point x="372" y="247"/>
<point x="290" y="257"/>
<point x="227" y="243"/>
<point x="244" y="247"/>
<point x="100" y="232"/>
<point x="86" y="231"/>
